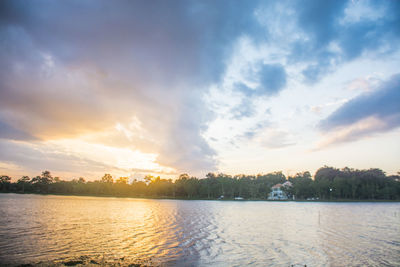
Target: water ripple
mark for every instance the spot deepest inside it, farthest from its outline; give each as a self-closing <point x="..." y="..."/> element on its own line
<point x="197" y="233"/>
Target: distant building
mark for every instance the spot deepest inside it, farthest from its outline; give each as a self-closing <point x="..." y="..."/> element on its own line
<point x="277" y="192"/>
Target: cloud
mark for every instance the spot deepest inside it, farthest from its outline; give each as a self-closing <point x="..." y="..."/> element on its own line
<point x="361" y="129"/>
<point x="72" y="68"/>
<point x="76" y="69"/>
<point x="32" y="158"/>
<point x="244" y="89"/>
<point x="265" y="135"/>
<point x="256" y="129"/>
<point x="319" y="37"/>
<point x="9" y="132"/>
<point x="371" y="112"/>
<point x="318" y="19"/>
<point x="334" y="32"/>
<point x="245" y="108"/>
<point x="319" y="108"/>
<point x="186" y="132"/>
<point x="365" y="83"/>
<point x="275" y="138"/>
<point x="272" y="79"/>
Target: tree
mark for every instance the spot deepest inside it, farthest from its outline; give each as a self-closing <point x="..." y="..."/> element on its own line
<point x="46" y="177"/>
<point x="345" y="183"/>
<point x="23" y="181"/>
<point x="41" y="184"/>
<point x="184" y="176"/>
<point x="5" y="182"/>
<point x="122" y="180"/>
<point x="107" y="178"/>
<point x="302" y="186"/>
<point x="191" y="187"/>
<point x="148" y="178"/>
<point x="5" y="179"/>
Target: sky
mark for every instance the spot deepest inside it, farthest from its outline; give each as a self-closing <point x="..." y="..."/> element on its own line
<point x="134" y="88"/>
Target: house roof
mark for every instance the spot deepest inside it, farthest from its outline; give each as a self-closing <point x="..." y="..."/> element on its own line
<point x="277" y="186"/>
<point x="287" y="183"/>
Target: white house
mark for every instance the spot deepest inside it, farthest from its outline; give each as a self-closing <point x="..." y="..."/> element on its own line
<point x="277" y="192"/>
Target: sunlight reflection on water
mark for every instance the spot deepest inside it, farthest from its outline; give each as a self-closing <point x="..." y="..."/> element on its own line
<point x="37" y="228"/>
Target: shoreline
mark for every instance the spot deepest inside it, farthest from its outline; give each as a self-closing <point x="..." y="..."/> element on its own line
<point x="210" y="199"/>
<point x="87" y="260"/>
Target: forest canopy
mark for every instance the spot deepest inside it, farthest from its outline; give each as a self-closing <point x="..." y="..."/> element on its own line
<point x="328" y="183"/>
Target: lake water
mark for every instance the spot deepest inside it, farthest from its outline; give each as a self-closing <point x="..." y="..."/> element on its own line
<point x="53" y="229"/>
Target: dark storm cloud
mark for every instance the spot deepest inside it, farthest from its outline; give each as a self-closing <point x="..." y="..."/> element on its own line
<point x="183" y="36"/>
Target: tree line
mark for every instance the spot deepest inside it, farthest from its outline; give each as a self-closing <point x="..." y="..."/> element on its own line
<point x="328" y="183"/>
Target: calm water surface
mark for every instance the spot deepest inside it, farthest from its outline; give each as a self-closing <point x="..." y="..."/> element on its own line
<point x="36" y="228"/>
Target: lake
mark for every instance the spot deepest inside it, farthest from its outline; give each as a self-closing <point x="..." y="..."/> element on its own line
<point x="51" y="229"/>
